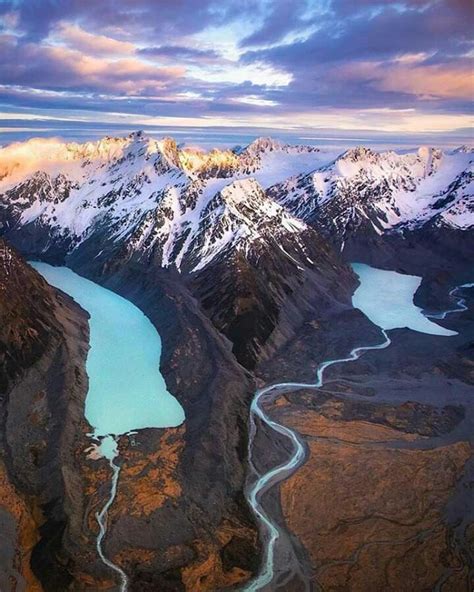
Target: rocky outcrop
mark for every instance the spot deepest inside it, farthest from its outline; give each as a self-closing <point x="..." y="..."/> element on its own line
<point x="44" y="339"/>
<point x="180" y="521"/>
<point x="262" y="299"/>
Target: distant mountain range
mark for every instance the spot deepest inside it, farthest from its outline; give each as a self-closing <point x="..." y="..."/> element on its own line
<point x="192" y="207"/>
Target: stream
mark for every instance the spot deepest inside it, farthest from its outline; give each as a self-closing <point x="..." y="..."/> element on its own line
<point x="386" y="298"/>
<point x="127" y="391"/>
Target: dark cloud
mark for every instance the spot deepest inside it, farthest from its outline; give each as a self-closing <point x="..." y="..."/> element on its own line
<point x="348" y="7"/>
<point x="148" y="18"/>
<point x="388" y="33"/>
<point x="347" y="61"/>
<point x="180" y="52"/>
<point x="283" y="18"/>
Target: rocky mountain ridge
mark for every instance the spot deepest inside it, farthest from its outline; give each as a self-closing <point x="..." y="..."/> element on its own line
<point x="384" y="192"/>
<point x="222" y="214"/>
<point x="153" y="204"/>
<point x="150" y="191"/>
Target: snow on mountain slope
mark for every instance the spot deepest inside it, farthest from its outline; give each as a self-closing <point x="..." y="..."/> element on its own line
<point x="20" y="160"/>
<point x="270" y="161"/>
<point x="267" y="160"/>
<point x="248" y="230"/>
<point x="455" y="204"/>
<point x="238" y="217"/>
<point x="187" y="206"/>
<point x="383" y="191"/>
<point x="121" y="185"/>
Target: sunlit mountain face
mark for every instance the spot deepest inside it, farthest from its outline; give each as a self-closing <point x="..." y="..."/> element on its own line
<point x="236" y="296"/>
<point x="311" y="70"/>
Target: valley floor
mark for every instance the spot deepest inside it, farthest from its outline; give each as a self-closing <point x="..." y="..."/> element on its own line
<point x="382" y="501"/>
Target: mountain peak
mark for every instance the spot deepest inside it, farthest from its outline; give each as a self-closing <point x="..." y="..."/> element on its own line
<point x="264" y="144"/>
<point x="240" y="189"/>
<point x="137" y="135"/>
<point x="360" y="154"/>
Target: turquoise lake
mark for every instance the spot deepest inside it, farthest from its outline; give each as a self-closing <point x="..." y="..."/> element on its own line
<point x="126" y="389"/>
<point x="386" y="298"/>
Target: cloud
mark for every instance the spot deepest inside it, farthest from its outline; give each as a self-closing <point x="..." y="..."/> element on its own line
<point x="181" y="53"/>
<point x="357" y="60"/>
<point x="148" y="19"/>
<point x="347" y="7"/>
<point x="283" y="18"/>
<point x="255" y="100"/>
<point x="75" y="37"/>
<point x="59" y="68"/>
<point x="386" y="34"/>
<point x="406" y="76"/>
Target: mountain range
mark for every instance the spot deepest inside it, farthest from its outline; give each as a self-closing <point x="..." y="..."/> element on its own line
<point x="241" y="259"/>
<point x="241" y="215"/>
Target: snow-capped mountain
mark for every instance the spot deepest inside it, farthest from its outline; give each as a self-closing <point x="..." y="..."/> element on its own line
<point x="205" y="215"/>
<point x="190" y="205"/>
<point x="366" y="191"/>
<point x="187" y="204"/>
<point x="247" y="230"/>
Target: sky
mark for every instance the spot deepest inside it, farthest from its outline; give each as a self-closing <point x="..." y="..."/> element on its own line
<point x="222" y="71"/>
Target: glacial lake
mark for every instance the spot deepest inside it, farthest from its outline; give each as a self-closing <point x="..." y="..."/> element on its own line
<point x="386" y="298"/>
<point x="126" y="389"/>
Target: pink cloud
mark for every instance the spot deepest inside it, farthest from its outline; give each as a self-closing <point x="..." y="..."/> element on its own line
<point x="52" y="66"/>
<point x="430" y="81"/>
<point x="413" y="77"/>
<point x="75" y="37"/>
